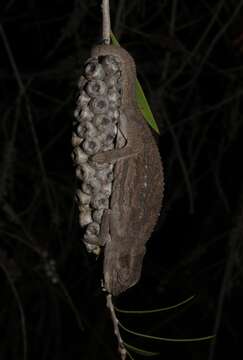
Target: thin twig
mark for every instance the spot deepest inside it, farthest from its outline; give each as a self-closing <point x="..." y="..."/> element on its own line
<point x="22" y="90"/>
<point x="171" y="33"/>
<point x="119" y="13"/>
<point x="21" y="310"/>
<point x="106" y="22"/>
<point x="181" y="161"/>
<point x="12" y="61"/>
<point x="121" y="347"/>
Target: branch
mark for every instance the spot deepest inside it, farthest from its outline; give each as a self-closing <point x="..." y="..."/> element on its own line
<point x="106" y="22"/>
<point x="121" y="346"/>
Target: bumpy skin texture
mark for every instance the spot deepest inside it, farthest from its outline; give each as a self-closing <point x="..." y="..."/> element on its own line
<point x="94" y="130"/>
<point x="137" y="188"/>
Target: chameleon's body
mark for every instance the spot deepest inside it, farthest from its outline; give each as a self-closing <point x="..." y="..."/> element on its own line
<point x="137" y="188"/>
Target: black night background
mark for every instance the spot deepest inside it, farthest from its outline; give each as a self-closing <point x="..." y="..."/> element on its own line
<point x="189" y="57"/>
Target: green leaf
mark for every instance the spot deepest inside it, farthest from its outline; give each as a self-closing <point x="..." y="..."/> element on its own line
<point x="141" y="98"/>
<point x="141" y="351"/>
<point x="154" y="310"/>
<point x="114" y="39"/>
<point x="210" y="337"/>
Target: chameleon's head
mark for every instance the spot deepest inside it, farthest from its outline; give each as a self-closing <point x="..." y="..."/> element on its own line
<point x="121" y="271"/>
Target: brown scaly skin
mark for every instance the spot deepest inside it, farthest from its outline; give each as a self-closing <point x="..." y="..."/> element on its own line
<point x="137" y="190"/>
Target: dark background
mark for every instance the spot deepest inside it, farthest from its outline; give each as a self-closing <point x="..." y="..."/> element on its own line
<point x="189" y="58"/>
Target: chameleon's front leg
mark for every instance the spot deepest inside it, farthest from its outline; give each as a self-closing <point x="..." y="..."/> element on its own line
<point x="133" y="144"/>
<point x="104" y="235"/>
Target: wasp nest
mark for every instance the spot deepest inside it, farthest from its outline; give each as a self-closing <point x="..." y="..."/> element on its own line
<point x="95" y="128"/>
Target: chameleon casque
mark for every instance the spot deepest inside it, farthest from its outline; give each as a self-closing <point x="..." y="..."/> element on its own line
<point x="118" y="165"/>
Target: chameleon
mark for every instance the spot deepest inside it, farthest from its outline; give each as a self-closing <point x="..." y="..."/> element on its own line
<point x="137" y="187"/>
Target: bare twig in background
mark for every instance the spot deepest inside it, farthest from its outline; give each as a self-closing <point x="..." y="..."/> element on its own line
<point x="106" y="23"/>
<point x="20" y="307"/>
<point x="22" y="89"/>
<point x="119" y="14"/>
<point x="234" y="238"/>
<point x="181" y="161"/>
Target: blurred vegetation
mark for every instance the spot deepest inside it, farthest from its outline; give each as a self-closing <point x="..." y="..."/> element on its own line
<point x="189" y="61"/>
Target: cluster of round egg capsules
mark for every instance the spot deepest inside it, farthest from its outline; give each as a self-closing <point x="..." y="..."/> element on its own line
<point x="95" y="128"/>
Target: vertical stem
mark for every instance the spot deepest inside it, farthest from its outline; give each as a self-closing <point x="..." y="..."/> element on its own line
<point x="121" y="347"/>
<point x="106" y="23"/>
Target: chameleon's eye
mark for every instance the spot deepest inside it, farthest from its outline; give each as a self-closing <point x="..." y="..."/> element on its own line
<point x="100" y="105"/>
<point x="94" y="70"/>
<point x="96" y="88"/>
<point x="110" y="65"/>
<point x="124" y="269"/>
